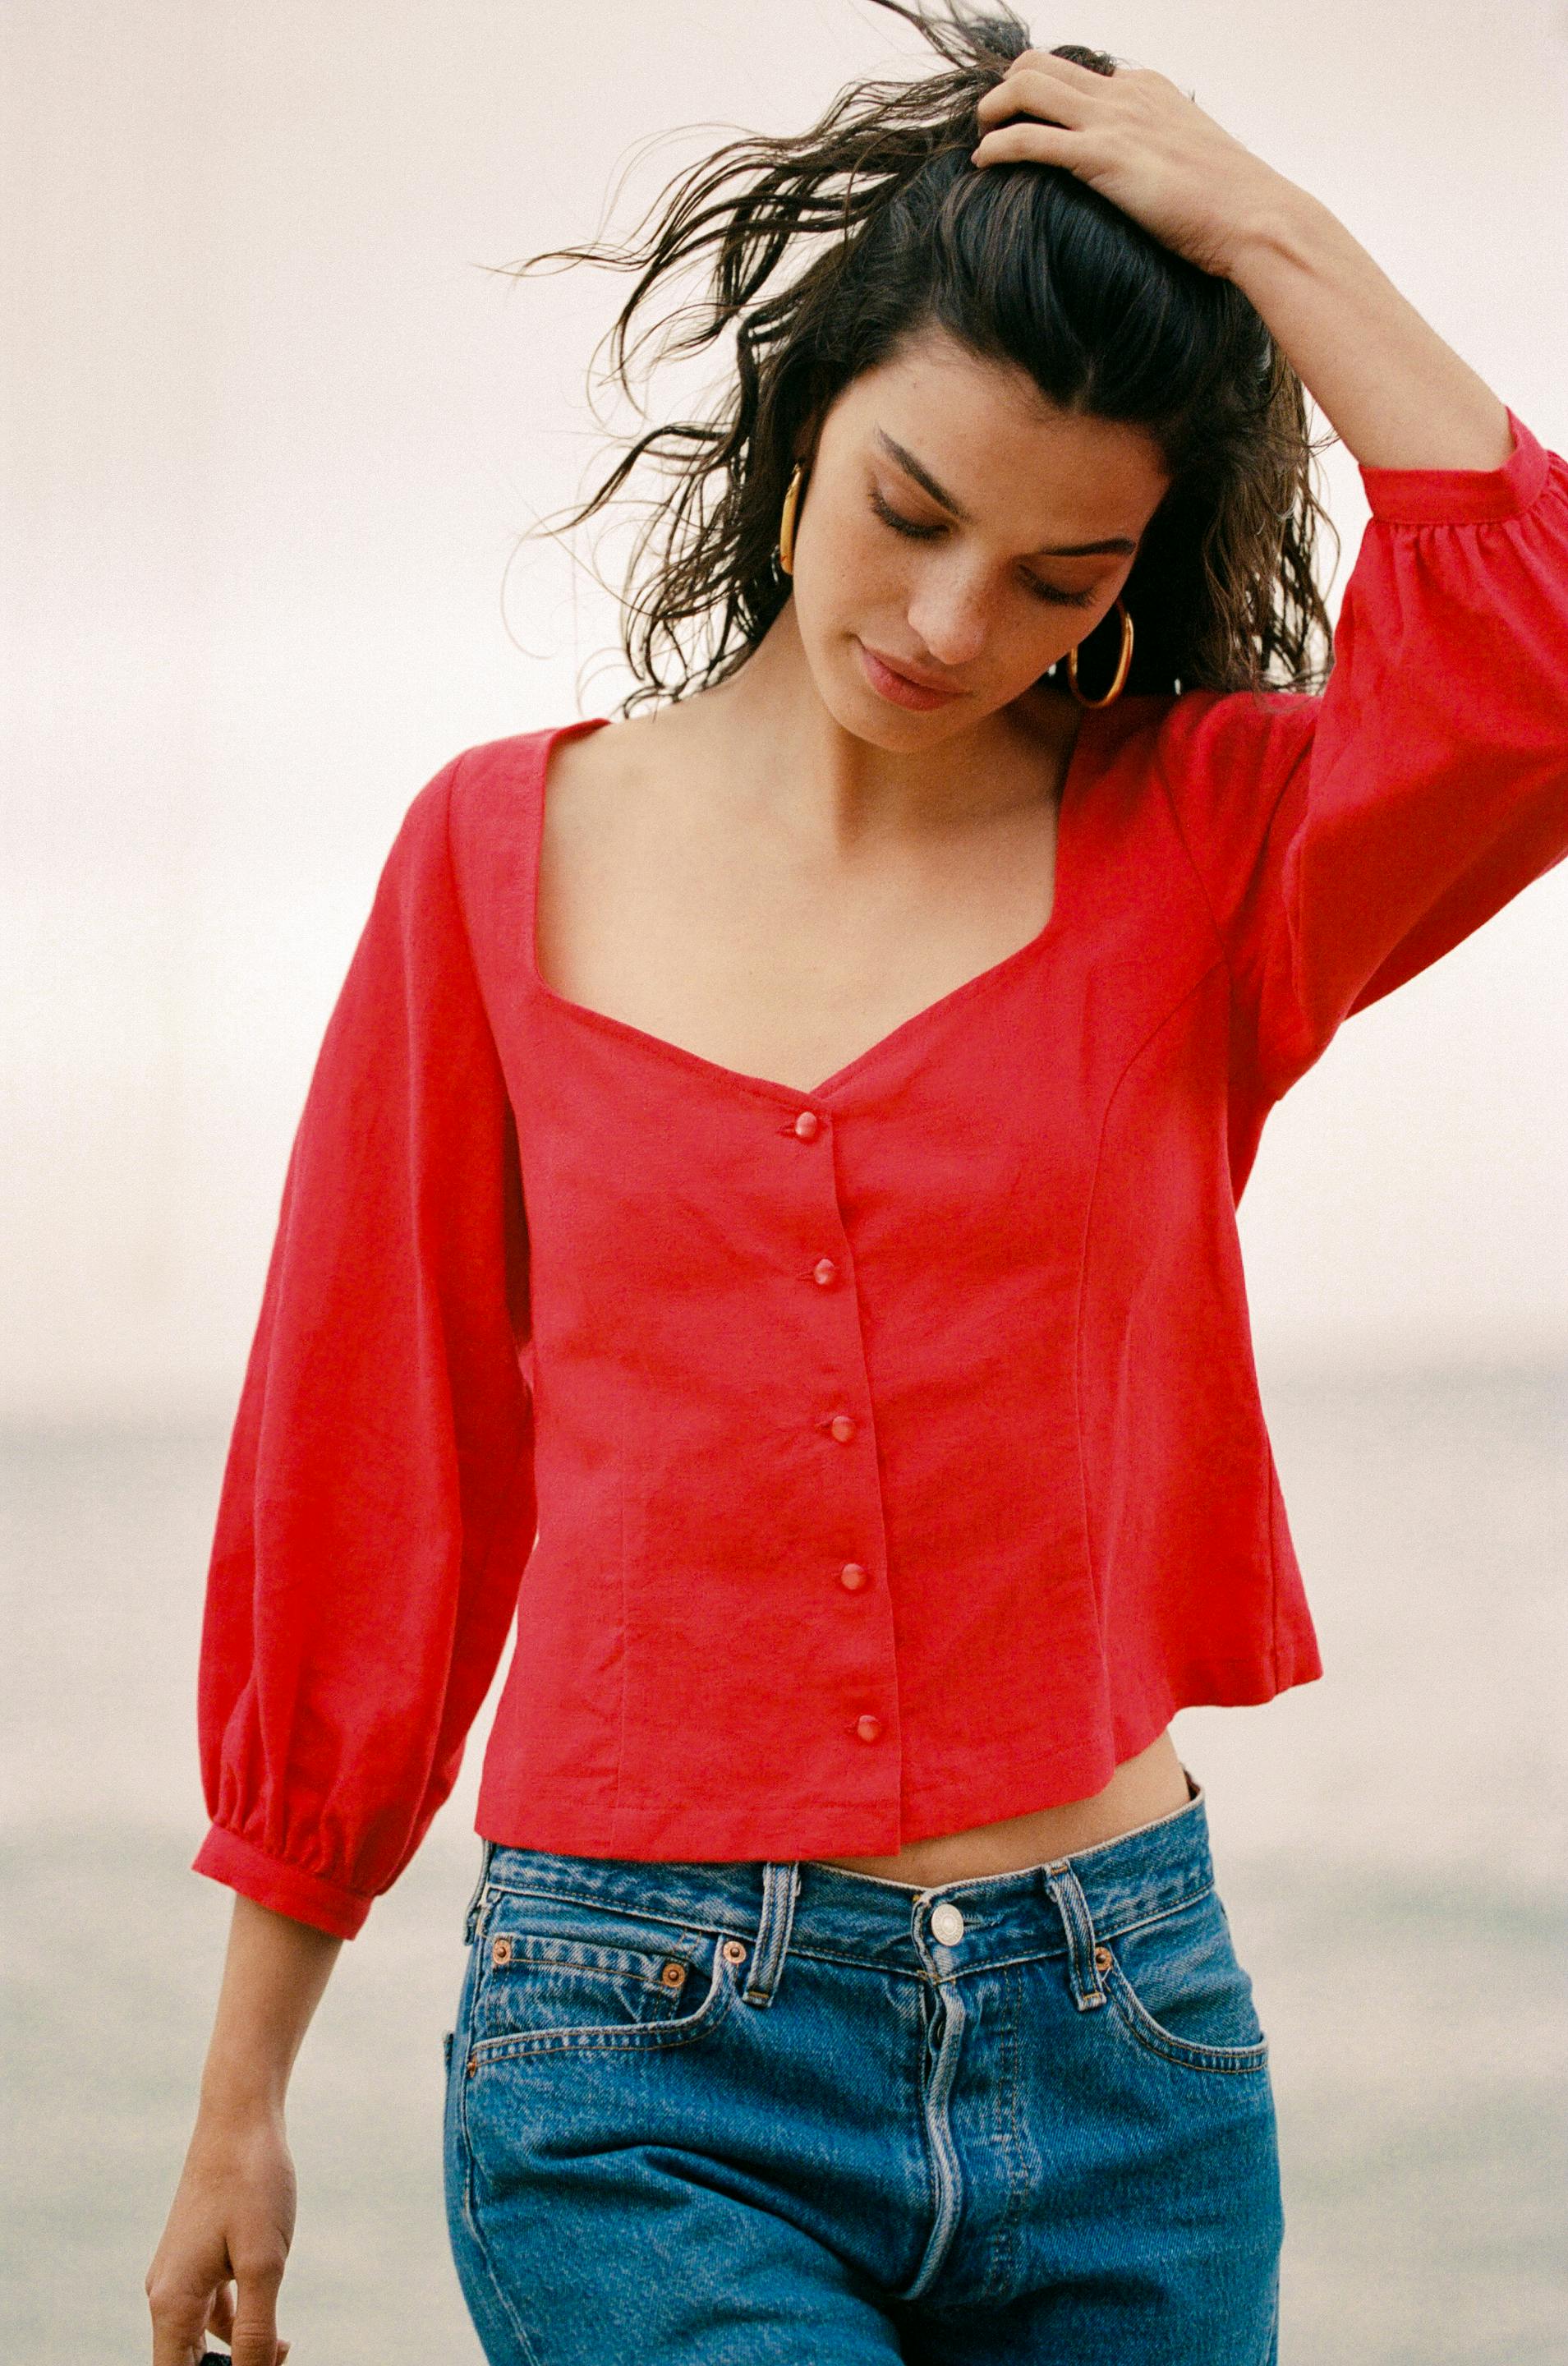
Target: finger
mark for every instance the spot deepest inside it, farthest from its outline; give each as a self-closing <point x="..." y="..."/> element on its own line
<point x="1028" y="143"/>
<point x="177" y="2321"/>
<point x="220" y="2316"/>
<point x="1049" y="62"/>
<point x="255" y="2337"/>
<point x="1035" y="92"/>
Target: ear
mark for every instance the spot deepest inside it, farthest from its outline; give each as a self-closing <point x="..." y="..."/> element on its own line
<point x="806" y="433"/>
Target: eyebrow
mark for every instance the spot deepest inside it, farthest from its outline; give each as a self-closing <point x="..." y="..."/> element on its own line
<point x="1118" y="543"/>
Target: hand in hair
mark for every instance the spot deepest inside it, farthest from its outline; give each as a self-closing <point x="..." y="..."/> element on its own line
<point x="1138" y="140"/>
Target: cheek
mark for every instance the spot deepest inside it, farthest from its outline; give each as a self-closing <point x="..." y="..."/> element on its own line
<point x="850" y="567"/>
<point x="853" y="575"/>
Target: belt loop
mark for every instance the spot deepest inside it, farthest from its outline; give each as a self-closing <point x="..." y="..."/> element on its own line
<point x="1067" y="1892"/>
<point x="781" y="1888"/>
<point x="470" y="1921"/>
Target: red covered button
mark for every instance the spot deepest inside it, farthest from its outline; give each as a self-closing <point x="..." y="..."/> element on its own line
<point x="824" y="1272"/>
<point x="852" y="1576"/>
<point x="868" y="1728"/>
<point x="806" y="1124"/>
<point x="842" y="1427"/>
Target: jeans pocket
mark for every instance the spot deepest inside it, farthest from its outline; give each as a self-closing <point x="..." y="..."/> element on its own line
<point x="554" y="1975"/>
<point x="1176" y="1986"/>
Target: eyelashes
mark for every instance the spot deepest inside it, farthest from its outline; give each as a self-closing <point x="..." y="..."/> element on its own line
<point x="914" y="533"/>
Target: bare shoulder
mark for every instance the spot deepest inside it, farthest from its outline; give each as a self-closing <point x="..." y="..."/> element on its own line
<point x="628" y="751"/>
<point x="617" y="800"/>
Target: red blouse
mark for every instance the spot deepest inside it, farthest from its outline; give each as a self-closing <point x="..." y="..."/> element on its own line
<point x="874" y="1461"/>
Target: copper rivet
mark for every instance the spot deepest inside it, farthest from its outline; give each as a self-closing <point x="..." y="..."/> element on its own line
<point x="735" y="1950"/>
<point x="1103" y="1959"/>
<point x="672" y="1975"/>
<point x="473" y="2064"/>
<point x="501" y="1951"/>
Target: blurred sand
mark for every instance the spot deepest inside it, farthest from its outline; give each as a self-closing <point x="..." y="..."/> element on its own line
<point x="1388" y="1841"/>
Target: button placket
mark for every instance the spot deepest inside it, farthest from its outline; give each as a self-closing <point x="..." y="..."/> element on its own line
<point x="842" y="1426"/>
<point x="806" y="1126"/>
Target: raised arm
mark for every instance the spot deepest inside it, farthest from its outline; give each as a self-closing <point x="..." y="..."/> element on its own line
<point x="1345" y="842"/>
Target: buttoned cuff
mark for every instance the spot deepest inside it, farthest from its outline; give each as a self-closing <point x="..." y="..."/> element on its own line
<point x="1460" y="496"/>
<point x="287" y="1888"/>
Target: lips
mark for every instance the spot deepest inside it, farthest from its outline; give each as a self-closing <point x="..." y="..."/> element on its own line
<point x="901" y="688"/>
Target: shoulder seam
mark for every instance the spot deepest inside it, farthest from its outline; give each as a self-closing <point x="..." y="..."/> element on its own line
<point x="454" y="885"/>
<point x="1198" y="880"/>
<point x="1287" y="770"/>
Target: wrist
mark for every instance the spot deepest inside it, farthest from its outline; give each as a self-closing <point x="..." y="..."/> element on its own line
<point x="1280" y="222"/>
<point x="234" y="2098"/>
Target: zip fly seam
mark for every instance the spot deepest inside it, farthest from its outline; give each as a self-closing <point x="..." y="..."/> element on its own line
<point x="947" y="2174"/>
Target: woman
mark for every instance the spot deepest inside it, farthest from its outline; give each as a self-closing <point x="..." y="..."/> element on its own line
<point x="769" y="1186"/>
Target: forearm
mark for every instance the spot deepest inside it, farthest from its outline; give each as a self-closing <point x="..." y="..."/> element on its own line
<point x="1396" y="395"/>
<point x="273" y="1976"/>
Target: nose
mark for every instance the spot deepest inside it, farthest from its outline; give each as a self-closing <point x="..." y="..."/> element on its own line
<point x="949" y="618"/>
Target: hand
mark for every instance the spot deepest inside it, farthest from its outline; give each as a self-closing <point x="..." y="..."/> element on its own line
<point x="1138" y="140"/>
<point x="232" y="2219"/>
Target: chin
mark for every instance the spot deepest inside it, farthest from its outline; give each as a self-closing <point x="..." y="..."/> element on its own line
<point x="844" y="692"/>
<point x="901" y="731"/>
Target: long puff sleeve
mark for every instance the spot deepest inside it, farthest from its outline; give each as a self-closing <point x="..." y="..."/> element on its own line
<point x="1347" y="840"/>
<point x="377" y="1506"/>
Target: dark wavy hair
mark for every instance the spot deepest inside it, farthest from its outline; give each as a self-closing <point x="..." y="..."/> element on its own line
<point x="825" y="250"/>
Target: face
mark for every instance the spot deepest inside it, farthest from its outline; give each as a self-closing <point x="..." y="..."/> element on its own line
<point x="941" y="530"/>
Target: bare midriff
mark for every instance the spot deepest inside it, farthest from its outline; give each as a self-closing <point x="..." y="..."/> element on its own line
<point x="1144" y="1788"/>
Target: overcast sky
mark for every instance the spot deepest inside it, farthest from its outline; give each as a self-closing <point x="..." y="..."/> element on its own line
<point x="271" y="430"/>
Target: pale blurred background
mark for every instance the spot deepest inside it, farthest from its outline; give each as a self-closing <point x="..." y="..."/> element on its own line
<point x="271" y="431"/>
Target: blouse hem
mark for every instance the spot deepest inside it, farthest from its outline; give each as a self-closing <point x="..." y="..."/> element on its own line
<point x="560" y="1819"/>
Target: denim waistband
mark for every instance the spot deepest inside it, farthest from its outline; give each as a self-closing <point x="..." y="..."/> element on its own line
<point x="1062" y="1906"/>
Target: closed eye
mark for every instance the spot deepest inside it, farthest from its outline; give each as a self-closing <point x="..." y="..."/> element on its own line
<point x="917" y="533"/>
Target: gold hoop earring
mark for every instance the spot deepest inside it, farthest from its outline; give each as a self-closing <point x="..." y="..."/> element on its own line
<point x="786" y="521"/>
<point x="1123" y="664"/>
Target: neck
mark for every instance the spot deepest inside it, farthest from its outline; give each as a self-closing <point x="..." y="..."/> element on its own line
<point x="768" y="728"/>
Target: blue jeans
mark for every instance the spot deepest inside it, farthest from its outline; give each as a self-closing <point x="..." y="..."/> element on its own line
<point x="743" y="2111"/>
